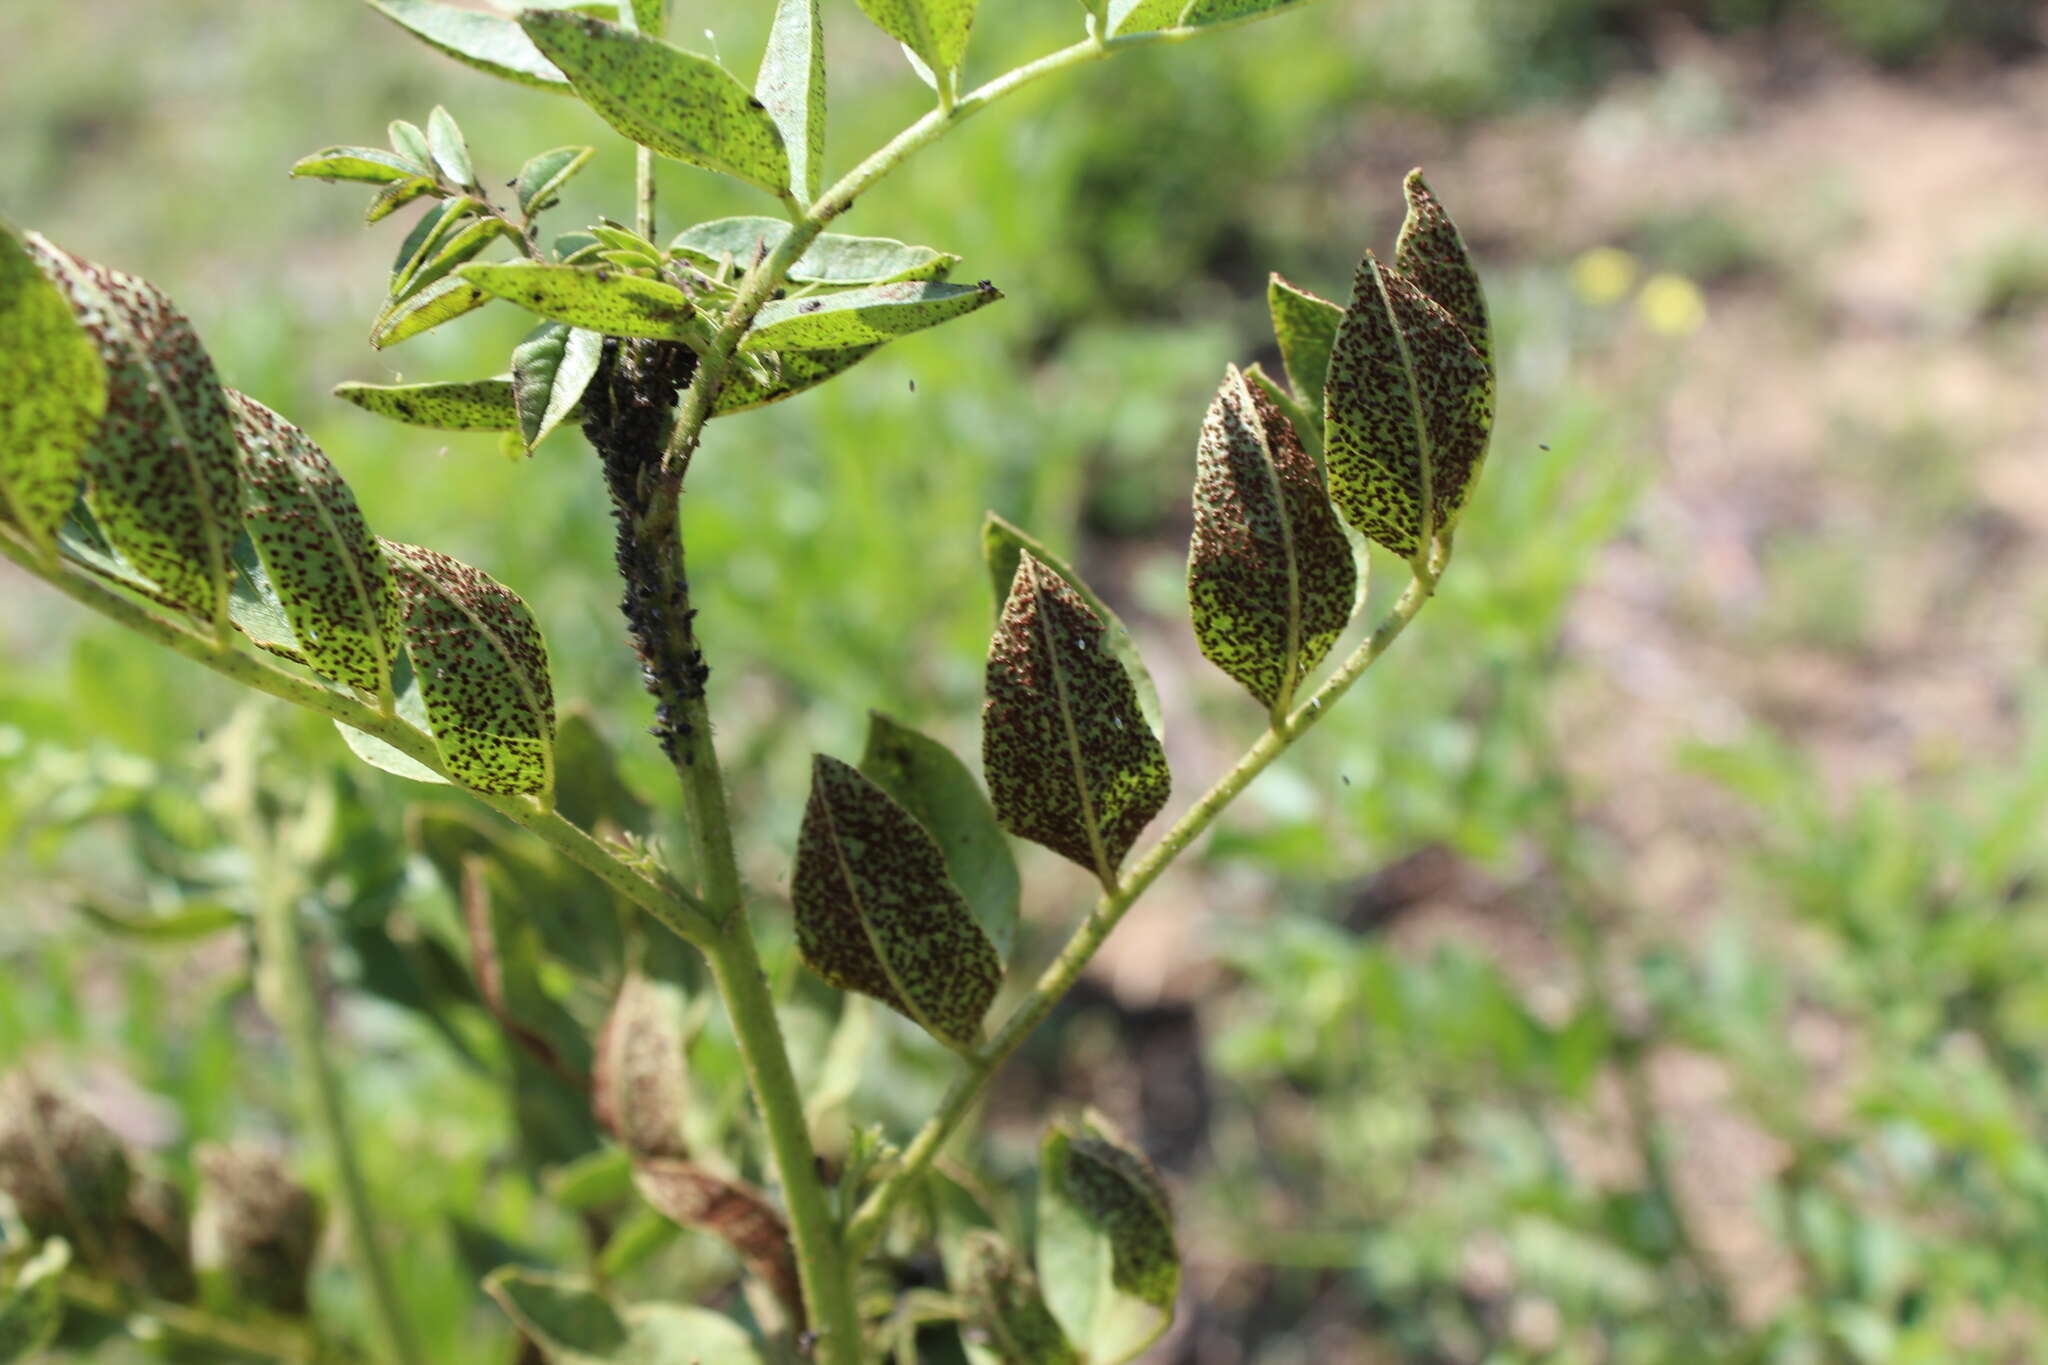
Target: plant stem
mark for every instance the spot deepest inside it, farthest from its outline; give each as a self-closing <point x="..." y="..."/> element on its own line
<point x="1066" y="969"/>
<point x="196" y="1326"/>
<point x="643" y="192"/>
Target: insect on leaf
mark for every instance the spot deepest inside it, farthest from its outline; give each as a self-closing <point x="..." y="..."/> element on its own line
<point x="54" y="386"/>
<point x="550" y="370"/>
<point x="791" y="86"/>
<point x="488" y="42"/>
<point x="597" y="298"/>
<point x="462" y="405"/>
<point x="861" y="317"/>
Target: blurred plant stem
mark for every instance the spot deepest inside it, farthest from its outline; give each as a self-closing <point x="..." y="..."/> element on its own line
<point x="198" y="1327"/>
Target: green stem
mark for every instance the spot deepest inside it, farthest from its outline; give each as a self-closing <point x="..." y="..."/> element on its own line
<point x="643" y="192"/>
<point x="196" y="1326"/>
<point x="1066" y="969"/>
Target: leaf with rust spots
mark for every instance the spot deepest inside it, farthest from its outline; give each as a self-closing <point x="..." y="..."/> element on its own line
<point x="550" y="370"/>
<point x="670" y="101"/>
<point x="877" y="913"/>
<point x="791" y="86"/>
<point x="446" y="253"/>
<point x="318" y="554"/>
<point x="784" y="374"/>
<point x="1005" y="1302"/>
<point x="832" y="259"/>
<point x="1070" y="761"/>
<point x="863" y="317"/>
<point x="487" y="42"/>
<point x="596" y="298"/>
<point x="161" y="472"/>
<point x="1407" y="412"/>
<point x="437" y="303"/>
<point x="639" y="1078"/>
<point x="1106" y="1254"/>
<point x="53" y="394"/>
<point x="1271" y="578"/>
<point x="483" y="672"/>
<point x="1431" y="252"/>
<point x="462" y="405"/>
<point x="1306" y="328"/>
<point x="736" y="1213"/>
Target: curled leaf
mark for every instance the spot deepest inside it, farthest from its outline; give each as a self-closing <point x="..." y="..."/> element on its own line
<point x="597" y="298"/>
<point x="1106" y="1254"/>
<point x="639" y="1079"/>
<point x="463" y="405"/>
<point x="863" y="317"/>
<point x="550" y="370"/>
<point x="543" y="176"/>
<point x="55" y="393"/>
<point x="736" y="1213"/>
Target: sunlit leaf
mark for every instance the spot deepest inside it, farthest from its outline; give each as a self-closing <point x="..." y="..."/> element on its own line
<point x="1202" y="12"/>
<point x="597" y="298"/>
<point x="369" y="165"/>
<point x="411" y="708"/>
<point x="409" y="140"/>
<point x="550" y="370"/>
<point x="439" y="302"/>
<point x="53" y="394"/>
<point x="1136" y="16"/>
<point x="543" y="176"/>
<point x="784" y="374"/>
<point x="487" y="42"/>
<point x="934" y="30"/>
<point x="451" y="151"/>
<point x="791" y="86"/>
<point x="1306" y="328"/>
<point x="1431" y="252"/>
<point x="460" y="405"/>
<point x="394" y="197"/>
<point x="862" y="317"/>
<point x="832" y="258"/>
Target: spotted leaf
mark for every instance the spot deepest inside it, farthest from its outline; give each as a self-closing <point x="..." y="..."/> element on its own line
<point x="1431" y="252"/>
<point x="317" y="553"/>
<point x="597" y="298"/>
<point x="862" y="317"/>
<point x="784" y="374"/>
<point x="439" y="302"/>
<point x="1106" y="1254"/>
<point x="483" y="672"/>
<point x="55" y="388"/>
<point x="1006" y="1304"/>
<point x="550" y="370"/>
<point x="1306" y="328"/>
<point x="736" y="1213"/>
<point x="833" y="258"/>
<point x="543" y="176"/>
<point x="488" y="42"/>
<point x="1270" y="575"/>
<point x="464" y="405"/>
<point x="934" y="30"/>
<point x="791" y="87"/>
<point x="1070" y="761"/>
<point x="876" y="912"/>
<point x="1136" y="16"/>
<point x="1200" y="13"/>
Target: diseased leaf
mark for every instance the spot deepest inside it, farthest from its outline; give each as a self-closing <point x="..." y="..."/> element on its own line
<point x="832" y="258"/>
<point x="597" y="298"/>
<point x="1204" y="12"/>
<point x="1070" y="761"/>
<point x="1136" y="16"/>
<point x="32" y="1307"/>
<point x="734" y="1212"/>
<point x="639" y="1076"/>
<point x="394" y="197"/>
<point x="861" y="317"/>
<point x="411" y="708"/>
<point x="1431" y="252"/>
<point x="876" y="912"/>
<point x="938" y="791"/>
<point x="1003" y="544"/>
<point x="934" y="30"/>
<point x="54" y="387"/>
<point x="1406" y="413"/>
<point x="649" y="16"/>
<point x="550" y="370"/>
<point x="438" y="243"/>
<point x="439" y="302"/>
<point x="463" y="405"/>
<point x="784" y="374"/>
<point x="1271" y="577"/>
<point x="369" y="165"/>
<point x="483" y="672"/>
<point x="543" y="176"/>
<point x="254" y="607"/>
<point x="451" y="151"/>
<point x="670" y="101"/>
<point x="575" y="1325"/>
<point x="317" y="552"/>
<point x="1007" y="1305"/>
<point x="1106" y="1255"/>
<point x="160" y="475"/>
<point x="459" y="250"/>
<point x="1306" y="328"/>
<point x="487" y="42"/>
<point x="791" y="86"/>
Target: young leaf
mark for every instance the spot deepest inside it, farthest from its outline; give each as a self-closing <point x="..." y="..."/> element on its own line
<point x="394" y="197"/>
<point x="487" y="42"/>
<point x="483" y="672"/>
<point x="832" y="258"/>
<point x="573" y="1324"/>
<point x="544" y="175"/>
<point x="924" y="777"/>
<point x="1136" y="16"/>
<point x="467" y="405"/>
<point x="433" y="227"/>
<point x="1003" y="544"/>
<point x="1008" y="1306"/>
<point x="550" y="370"/>
<point x="876" y="912"/>
<point x="458" y="250"/>
<point x="410" y="142"/>
<point x="1306" y="328"/>
<point x="1406" y="413"/>
<point x="784" y="374"/>
<point x="161" y="474"/>
<point x="861" y="317"/>
<point x="1106" y="1256"/>
<point x="791" y="87"/>
<point x="1432" y="253"/>
<point x="1070" y="761"/>
<point x="369" y="165"/>
<point x="451" y="151"/>
<point x="1270" y="575"/>
<point x="317" y="553"/>
<point x="55" y="389"/>
<point x="439" y="302"/>
<point x="597" y="298"/>
<point x="670" y="101"/>
<point x="1307" y="424"/>
<point x="935" y="31"/>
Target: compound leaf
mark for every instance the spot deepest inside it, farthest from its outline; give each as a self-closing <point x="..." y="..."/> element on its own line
<point x="791" y="86"/>
<point x="861" y="317"/>
<point x="55" y="388"/>
<point x="487" y="42"/>
<point x="460" y="405"/>
<point x="597" y="298"/>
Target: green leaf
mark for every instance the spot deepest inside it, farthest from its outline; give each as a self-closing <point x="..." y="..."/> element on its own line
<point x="543" y="176"/>
<point x="410" y="142"/>
<point x="411" y="707"/>
<point x="254" y="606"/>
<point x="369" y="165"/>
<point x="1136" y="16"/>
<point x="649" y="16"/>
<point x="32" y="1307"/>
<point x="1204" y="12"/>
<point x="1431" y="252"/>
<point x="589" y="789"/>
<point x="784" y="374"/>
<point x="1106" y="1256"/>
<point x="625" y="242"/>
<point x="935" y="30"/>
<point x="924" y="777"/>
<point x="451" y="151"/>
<point x="394" y="197"/>
<point x="550" y="370"/>
<point x="317" y="552"/>
<point x="487" y="42"/>
<point x="1307" y="423"/>
<point x="186" y="924"/>
<point x="791" y="86"/>
<point x="55" y="389"/>
<point x="1306" y="328"/>
<point x="877" y="913"/>
<point x="464" y="405"/>
<point x="439" y="302"/>
<point x="861" y="317"/>
<point x="448" y="251"/>
<point x="1271" y="578"/>
<point x="1070" y="761"/>
<point x="1003" y="544"/>
<point x="831" y="259"/>
<point x="161" y="475"/>
<point x="670" y="101"/>
<point x="483" y="672"/>
<point x="1007" y="1305"/>
<point x="574" y="1325"/>
<point x="601" y="1179"/>
<point x="596" y="298"/>
<point x="1407" y="413"/>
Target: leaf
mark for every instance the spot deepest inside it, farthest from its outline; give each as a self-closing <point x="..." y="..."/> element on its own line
<point x="160" y="475"/>
<point x="589" y="789"/>
<point x="1271" y="578"/>
<point x="544" y="175"/>
<point x="639" y="1078"/>
<point x="1406" y="413"/>
<point x="483" y="672"/>
<point x="451" y="151"/>
<point x="876" y="912"/>
<point x="550" y="370"/>
<point x="1135" y="16"/>
<point x="935" y="30"/>
<point x="938" y="791"/>
<point x="1070" y="761"/>
<point x="832" y="258"/>
<point x="1008" y="1306"/>
<point x="599" y="1180"/>
<point x="574" y="1325"/>
<point x="437" y="303"/>
<point x="1431" y="252"/>
<point x="55" y="387"/>
<point x="597" y="298"/>
<point x="254" y="606"/>
<point x="487" y="42"/>
<point x="649" y="16"/>
<point x="1306" y="328"/>
<point x="317" y="552"/>
<point x="369" y="165"/>
<point x="1307" y="423"/>
<point x="442" y="248"/>
<point x="861" y="317"/>
<point x="410" y="142"/>
<point x="791" y="87"/>
<point x="673" y="102"/>
<point x="186" y="924"/>
<point x="1003" y="544"/>
<point x="1106" y="1257"/>
<point x="411" y="707"/>
<point x="1204" y="12"/>
<point x="784" y="374"/>
<point x="394" y="197"/>
<point x="32" y="1307"/>
<point x="462" y="405"/>
<point x="735" y="1213"/>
